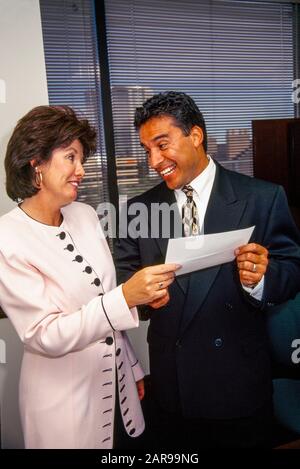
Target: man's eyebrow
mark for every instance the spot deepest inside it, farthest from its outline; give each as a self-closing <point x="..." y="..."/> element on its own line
<point x="157" y="137"/>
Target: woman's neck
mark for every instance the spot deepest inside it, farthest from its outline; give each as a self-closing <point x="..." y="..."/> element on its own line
<point x="41" y="211"/>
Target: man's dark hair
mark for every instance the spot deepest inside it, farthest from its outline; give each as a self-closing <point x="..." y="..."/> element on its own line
<point x="37" y="134"/>
<point x="178" y="105"/>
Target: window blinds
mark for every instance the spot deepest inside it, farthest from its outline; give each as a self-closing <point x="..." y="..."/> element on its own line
<point x="73" y="76"/>
<point x="235" y="58"/>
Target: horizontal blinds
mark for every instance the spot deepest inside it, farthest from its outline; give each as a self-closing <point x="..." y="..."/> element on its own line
<point x="234" y="58"/>
<point x="73" y="77"/>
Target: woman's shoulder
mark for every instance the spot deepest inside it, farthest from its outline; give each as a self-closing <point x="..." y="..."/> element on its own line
<point x="80" y="211"/>
<point x="12" y="229"/>
<point x="10" y="219"/>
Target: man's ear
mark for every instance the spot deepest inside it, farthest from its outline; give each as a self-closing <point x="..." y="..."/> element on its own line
<point x="197" y="136"/>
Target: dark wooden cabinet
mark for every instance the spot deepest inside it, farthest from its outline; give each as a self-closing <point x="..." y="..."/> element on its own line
<point x="276" y="156"/>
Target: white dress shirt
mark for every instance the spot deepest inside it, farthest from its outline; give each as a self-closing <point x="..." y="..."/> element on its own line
<point x="202" y="186"/>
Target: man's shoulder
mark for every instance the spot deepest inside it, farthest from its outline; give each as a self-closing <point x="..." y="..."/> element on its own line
<point x="245" y="183"/>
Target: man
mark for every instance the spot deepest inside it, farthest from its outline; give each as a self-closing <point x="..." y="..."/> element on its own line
<point x="209" y="360"/>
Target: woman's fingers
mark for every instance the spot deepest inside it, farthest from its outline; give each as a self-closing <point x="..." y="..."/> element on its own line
<point x="160" y="302"/>
<point x="163" y="283"/>
<point x="149" y="284"/>
<point x="161" y="269"/>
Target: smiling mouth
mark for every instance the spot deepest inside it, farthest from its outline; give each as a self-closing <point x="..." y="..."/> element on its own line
<point x="74" y="183"/>
<point x="168" y="170"/>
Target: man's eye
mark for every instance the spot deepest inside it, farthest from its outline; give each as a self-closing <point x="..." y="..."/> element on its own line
<point x="163" y="146"/>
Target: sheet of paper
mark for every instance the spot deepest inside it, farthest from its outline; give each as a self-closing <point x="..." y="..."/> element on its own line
<point x="199" y="252"/>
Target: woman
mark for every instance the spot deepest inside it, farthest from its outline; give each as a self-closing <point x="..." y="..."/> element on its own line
<point x="58" y="287"/>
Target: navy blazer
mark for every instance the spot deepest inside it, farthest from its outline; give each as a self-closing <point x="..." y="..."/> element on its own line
<point x="208" y="346"/>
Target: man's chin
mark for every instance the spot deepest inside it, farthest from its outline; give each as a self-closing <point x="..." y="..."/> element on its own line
<point x="172" y="185"/>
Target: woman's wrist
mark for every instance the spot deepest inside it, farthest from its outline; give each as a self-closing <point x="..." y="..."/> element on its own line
<point x="126" y="295"/>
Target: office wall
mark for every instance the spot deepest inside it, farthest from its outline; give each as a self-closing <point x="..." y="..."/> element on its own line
<point x="23" y="85"/>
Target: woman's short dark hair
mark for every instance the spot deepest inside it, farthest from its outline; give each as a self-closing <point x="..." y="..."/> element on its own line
<point x="37" y="134"/>
<point x="175" y="104"/>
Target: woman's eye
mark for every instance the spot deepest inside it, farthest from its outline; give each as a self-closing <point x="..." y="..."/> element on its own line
<point x="70" y="157"/>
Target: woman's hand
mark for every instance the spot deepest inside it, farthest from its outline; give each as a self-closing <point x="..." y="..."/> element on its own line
<point x="149" y="284"/>
<point x="160" y="302"/>
<point x="140" y="385"/>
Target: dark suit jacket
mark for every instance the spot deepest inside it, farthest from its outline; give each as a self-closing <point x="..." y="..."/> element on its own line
<point x="208" y="346"/>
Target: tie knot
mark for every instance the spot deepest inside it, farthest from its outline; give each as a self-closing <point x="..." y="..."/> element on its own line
<point x="188" y="190"/>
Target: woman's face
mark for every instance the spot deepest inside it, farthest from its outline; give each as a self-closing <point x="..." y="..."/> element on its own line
<point x="62" y="174"/>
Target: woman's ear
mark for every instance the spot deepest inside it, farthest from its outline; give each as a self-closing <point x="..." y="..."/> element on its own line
<point x="34" y="163"/>
<point x="197" y="135"/>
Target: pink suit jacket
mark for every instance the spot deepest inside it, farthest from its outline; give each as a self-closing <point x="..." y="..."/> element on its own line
<point x="74" y="349"/>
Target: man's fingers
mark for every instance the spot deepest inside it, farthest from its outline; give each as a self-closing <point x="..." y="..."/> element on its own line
<point x="254" y="258"/>
<point x="251" y="247"/>
<point x="249" y="277"/>
<point x="252" y="261"/>
<point x="250" y="266"/>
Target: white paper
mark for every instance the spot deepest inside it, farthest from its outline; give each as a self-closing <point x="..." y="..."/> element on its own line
<point x="199" y="252"/>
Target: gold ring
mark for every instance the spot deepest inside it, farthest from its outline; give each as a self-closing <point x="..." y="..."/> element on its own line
<point x="254" y="268"/>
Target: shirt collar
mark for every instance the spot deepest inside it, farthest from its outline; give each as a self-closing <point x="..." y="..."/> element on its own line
<point x="200" y="183"/>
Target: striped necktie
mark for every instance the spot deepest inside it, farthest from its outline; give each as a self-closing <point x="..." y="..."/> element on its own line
<point x="190" y="218"/>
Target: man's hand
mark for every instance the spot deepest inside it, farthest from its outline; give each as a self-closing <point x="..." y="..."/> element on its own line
<point x="252" y="261"/>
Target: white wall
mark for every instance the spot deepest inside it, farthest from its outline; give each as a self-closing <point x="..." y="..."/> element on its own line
<point x="23" y="85"/>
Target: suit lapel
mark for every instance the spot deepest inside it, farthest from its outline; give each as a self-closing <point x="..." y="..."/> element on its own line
<point x="223" y="213"/>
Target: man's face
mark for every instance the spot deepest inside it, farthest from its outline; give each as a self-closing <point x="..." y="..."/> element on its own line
<point x="174" y="156"/>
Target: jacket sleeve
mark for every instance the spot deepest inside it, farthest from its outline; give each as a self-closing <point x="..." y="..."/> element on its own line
<point x="282" y="239"/>
<point x="46" y="329"/>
